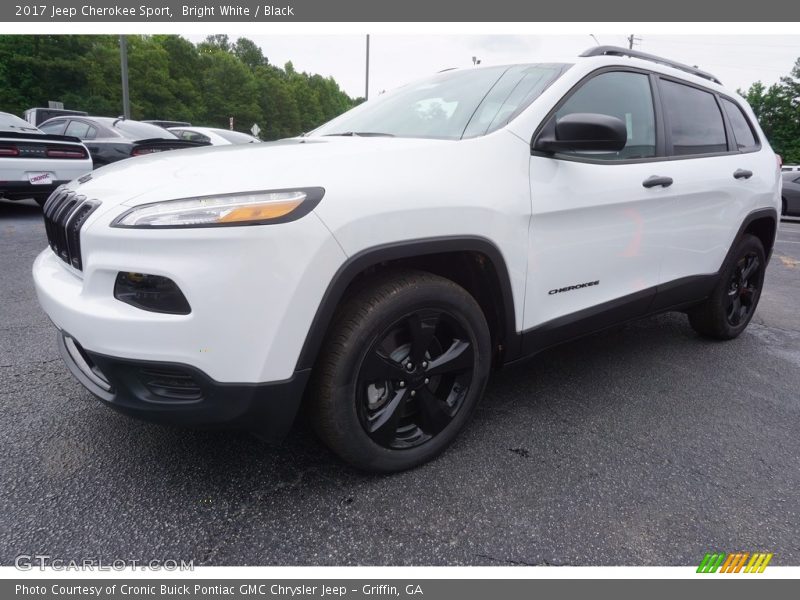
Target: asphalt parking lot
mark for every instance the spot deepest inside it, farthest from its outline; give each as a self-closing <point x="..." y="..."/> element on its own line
<point x="643" y="445"/>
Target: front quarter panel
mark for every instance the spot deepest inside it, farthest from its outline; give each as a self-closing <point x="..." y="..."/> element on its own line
<point x="468" y="188"/>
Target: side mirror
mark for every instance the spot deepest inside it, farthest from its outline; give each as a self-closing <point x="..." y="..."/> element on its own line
<point x="582" y="132"/>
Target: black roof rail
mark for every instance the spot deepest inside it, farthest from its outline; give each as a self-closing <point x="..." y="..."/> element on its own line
<point x="619" y="51"/>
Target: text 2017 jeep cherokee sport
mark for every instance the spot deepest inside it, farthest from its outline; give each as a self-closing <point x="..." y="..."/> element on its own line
<point x="378" y="267"/>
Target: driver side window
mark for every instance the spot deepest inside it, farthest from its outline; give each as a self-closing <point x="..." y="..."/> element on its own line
<point x="626" y="96"/>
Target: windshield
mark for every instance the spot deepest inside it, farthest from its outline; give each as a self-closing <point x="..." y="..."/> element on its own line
<point x="451" y="105"/>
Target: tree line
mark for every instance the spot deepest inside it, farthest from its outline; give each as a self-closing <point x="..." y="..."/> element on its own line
<point x="170" y="78"/>
<point x="778" y="110"/>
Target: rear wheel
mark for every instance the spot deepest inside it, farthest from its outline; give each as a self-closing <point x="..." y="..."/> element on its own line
<point x="729" y="308"/>
<point x="401" y="372"/>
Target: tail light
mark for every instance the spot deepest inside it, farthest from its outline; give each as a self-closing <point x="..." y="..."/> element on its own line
<point x="143" y="151"/>
<point x="66" y="153"/>
<point x="9" y="151"/>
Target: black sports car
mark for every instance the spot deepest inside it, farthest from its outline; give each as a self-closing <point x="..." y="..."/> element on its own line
<point x="109" y="139"/>
<point x="790" y="196"/>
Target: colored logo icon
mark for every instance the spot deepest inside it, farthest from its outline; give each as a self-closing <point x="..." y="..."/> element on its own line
<point x="737" y="562"/>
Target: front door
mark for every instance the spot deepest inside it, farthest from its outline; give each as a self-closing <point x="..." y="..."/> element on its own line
<point x="598" y="228"/>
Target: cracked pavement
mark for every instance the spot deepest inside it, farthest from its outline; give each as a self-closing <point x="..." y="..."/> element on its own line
<point x="642" y="445"/>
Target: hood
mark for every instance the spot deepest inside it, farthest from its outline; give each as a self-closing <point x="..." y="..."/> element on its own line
<point x="296" y="162"/>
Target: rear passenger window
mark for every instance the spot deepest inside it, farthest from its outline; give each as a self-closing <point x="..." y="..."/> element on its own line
<point x="626" y="96"/>
<point x="78" y="129"/>
<point x="693" y="120"/>
<point x="742" y="131"/>
<point x="193" y="136"/>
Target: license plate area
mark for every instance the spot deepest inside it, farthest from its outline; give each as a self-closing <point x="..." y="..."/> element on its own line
<point x="40" y="178"/>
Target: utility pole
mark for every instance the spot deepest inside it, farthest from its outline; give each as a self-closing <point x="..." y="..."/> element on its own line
<point x="632" y="39"/>
<point x="366" y="84"/>
<point x="123" y="59"/>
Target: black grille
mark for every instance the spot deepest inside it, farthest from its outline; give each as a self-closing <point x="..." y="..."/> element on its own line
<point x="170" y="383"/>
<point x="65" y="212"/>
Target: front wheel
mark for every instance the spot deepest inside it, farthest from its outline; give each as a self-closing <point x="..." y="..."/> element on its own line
<point x="401" y="371"/>
<point x="729" y="308"/>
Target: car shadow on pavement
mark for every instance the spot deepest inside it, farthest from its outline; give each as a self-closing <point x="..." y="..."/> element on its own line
<point x="16" y="209"/>
<point x="240" y="460"/>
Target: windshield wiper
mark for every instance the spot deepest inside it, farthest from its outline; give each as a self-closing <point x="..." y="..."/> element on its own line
<point x="360" y="134"/>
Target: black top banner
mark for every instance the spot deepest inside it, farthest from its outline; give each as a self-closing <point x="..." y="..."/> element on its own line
<point x="399" y="11"/>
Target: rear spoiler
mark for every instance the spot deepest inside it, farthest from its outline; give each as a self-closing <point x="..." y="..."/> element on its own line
<point x="176" y="143"/>
<point x="41" y="137"/>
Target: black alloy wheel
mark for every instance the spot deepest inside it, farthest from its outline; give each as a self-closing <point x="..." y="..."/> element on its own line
<point x="401" y="370"/>
<point x="414" y="379"/>
<point x="743" y="289"/>
<point x="733" y="301"/>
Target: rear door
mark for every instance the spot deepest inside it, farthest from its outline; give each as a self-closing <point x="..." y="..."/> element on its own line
<point x="82" y="130"/>
<point x="597" y="234"/>
<point x="721" y="173"/>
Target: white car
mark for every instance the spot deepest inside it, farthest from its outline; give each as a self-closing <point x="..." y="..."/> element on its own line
<point x="213" y="136"/>
<point x="377" y="269"/>
<point x="33" y="164"/>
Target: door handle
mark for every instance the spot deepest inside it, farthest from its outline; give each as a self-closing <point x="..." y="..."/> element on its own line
<point x="655" y="180"/>
<point x="742" y="174"/>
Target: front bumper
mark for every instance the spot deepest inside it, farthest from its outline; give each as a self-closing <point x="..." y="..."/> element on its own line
<point x="183" y="395"/>
<point x="253" y="293"/>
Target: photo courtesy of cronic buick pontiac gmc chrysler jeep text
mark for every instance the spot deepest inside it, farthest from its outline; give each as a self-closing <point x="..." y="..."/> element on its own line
<point x="374" y="270"/>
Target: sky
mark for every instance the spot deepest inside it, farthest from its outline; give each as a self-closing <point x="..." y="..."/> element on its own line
<point x="737" y="61"/>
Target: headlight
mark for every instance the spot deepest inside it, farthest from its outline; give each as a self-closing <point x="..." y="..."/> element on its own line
<point x="248" y="208"/>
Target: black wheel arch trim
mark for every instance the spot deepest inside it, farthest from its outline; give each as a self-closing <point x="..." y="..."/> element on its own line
<point x="376" y="255"/>
<point x="756" y="215"/>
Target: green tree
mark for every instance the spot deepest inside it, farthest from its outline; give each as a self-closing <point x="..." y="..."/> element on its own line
<point x="170" y="78"/>
<point x="229" y="90"/>
<point x="249" y="53"/>
<point x="778" y="112"/>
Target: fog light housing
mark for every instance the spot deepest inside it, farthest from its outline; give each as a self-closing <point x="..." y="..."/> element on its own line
<point x="151" y="292"/>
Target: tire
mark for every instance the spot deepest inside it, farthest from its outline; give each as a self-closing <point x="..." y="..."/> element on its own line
<point x="728" y="310"/>
<point x="783" y="207"/>
<point x="373" y="406"/>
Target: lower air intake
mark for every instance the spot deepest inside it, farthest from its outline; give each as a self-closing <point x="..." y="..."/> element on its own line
<point x="171" y="384"/>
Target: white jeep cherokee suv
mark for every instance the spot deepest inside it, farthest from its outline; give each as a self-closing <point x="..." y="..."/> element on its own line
<point x="378" y="268"/>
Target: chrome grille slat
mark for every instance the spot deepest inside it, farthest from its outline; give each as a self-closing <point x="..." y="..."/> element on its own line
<point x="65" y="212"/>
